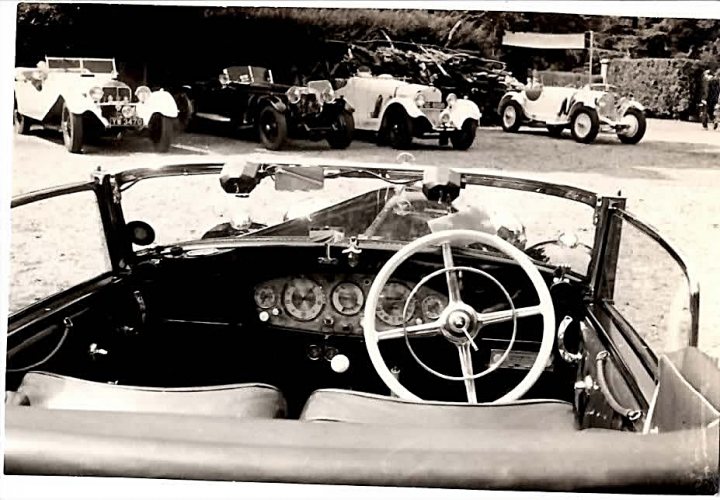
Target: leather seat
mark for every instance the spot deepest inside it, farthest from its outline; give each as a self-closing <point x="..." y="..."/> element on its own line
<point x="52" y="391"/>
<point x="338" y="405"/>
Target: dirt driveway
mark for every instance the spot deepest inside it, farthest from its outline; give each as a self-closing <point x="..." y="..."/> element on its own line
<point x="671" y="179"/>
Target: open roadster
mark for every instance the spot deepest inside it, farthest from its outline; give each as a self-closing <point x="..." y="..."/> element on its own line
<point x="82" y="97"/>
<point x="398" y="111"/>
<point x="586" y="112"/>
<point x="247" y="97"/>
<point x="411" y="332"/>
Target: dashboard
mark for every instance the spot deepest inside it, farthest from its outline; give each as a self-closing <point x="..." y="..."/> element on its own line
<point x="334" y="304"/>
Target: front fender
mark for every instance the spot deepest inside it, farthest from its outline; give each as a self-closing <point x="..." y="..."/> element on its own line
<point x="408" y="105"/>
<point x="79" y="104"/>
<point x="273" y="101"/>
<point x="631" y="104"/>
<point x="511" y="96"/>
<point x="464" y="109"/>
<point x="161" y="102"/>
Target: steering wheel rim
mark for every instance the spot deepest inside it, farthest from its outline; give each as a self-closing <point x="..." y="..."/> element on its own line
<point x="444" y="238"/>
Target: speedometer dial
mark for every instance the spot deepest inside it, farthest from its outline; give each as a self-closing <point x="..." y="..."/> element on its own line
<point x="392" y="302"/>
<point x="347" y="298"/>
<point x="303" y="299"/>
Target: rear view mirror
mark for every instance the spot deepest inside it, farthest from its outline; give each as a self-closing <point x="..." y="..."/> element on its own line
<point x="299" y="178"/>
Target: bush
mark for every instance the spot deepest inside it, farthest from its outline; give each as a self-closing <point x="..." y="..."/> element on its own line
<point x="668" y="88"/>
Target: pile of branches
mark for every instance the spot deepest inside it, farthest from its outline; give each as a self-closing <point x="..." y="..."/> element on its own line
<point x="464" y="73"/>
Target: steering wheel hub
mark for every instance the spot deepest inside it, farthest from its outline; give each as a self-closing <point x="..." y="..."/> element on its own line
<point x="459" y="322"/>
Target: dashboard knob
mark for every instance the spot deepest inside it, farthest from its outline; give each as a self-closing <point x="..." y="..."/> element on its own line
<point x="328" y="321"/>
<point x="264" y="316"/>
<point x="340" y="363"/>
<point x="275" y="311"/>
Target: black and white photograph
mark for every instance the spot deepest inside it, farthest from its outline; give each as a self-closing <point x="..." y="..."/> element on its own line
<point x="373" y="249"/>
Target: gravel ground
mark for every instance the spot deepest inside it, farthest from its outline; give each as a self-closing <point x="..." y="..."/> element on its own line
<point x="671" y="180"/>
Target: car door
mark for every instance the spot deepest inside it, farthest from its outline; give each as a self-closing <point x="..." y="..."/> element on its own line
<point x="60" y="260"/>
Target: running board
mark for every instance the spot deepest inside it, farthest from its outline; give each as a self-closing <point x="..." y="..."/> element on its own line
<point x="214" y="117"/>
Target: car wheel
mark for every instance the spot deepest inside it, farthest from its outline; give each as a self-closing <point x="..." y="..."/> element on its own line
<point x="186" y="111"/>
<point x="161" y="132"/>
<point x="585" y="125"/>
<point x="464" y="138"/>
<point x="72" y="127"/>
<point x="637" y="126"/>
<point x="398" y="129"/>
<point x="21" y="123"/>
<point x="511" y="116"/>
<point x="555" y="130"/>
<point x="341" y="136"/>
<point x="272" y="128"/>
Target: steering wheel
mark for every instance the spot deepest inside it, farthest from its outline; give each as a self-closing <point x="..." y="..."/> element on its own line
<point x="459" y="323"/>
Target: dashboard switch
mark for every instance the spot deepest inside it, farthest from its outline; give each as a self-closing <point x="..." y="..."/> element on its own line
<point x="340" y="363"/>
<point x="328" y="321"/>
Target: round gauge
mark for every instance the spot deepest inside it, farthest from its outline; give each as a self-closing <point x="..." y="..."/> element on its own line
<point x="347" y="298"/>
<point x="392" y="302"/>
<point x="303" y="299"/>
<point x="432" y="306"/>
<point x="265" y="296"/>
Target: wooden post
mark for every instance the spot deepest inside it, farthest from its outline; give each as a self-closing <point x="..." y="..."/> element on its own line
<point x="591" y="59"/>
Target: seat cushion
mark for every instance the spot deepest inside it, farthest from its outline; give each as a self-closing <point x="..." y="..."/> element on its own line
<point x="49" y="390"/>
<point x="357" y="407"/>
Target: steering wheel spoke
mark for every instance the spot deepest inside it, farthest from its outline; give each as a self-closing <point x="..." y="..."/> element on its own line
<point x="424" y="330"/>
<point x="466" y="364"/>
<point x="489" y="318"/>
<point x="453" y="281"/>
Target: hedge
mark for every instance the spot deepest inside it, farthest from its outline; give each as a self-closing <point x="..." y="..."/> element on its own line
<point x="668" y="88"/>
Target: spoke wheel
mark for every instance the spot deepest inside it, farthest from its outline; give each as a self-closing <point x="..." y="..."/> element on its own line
<point x="73" y="130"/>
<point x="511" y="116"/>
<point x="342" y="133"/>
<point x="272" y="128"/>
<point x="464" y="138"/>
<point x="637" y="126"/>
<point x="585" y="125"/>
<point x="21" y="123"/>
<point x="398" y="129"/>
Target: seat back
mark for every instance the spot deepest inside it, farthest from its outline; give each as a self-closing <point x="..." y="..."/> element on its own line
<point x="687" y="394"/>
<point x="52" y="391"/>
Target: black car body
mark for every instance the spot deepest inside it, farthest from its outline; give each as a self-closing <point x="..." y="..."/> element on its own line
<point x="247" y="97"/>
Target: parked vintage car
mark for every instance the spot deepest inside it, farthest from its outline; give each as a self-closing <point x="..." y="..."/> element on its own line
<point x="586" y="112"/>
<point x="398" y="111"/>
<point x="428" y="327"/>
<point x="83" y="97"/>
<point x="247" y="97"/>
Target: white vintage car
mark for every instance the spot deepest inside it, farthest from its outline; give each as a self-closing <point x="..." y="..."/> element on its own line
<point x="83" y="97"/>
<point x="585" y="111"/>
<point x="399" y="111"/>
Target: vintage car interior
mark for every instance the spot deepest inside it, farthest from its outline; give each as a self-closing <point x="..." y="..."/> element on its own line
<point x="451" y="359"/>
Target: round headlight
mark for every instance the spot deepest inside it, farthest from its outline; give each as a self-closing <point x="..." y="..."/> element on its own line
<point x="327" y="95"/>
<point x="451" y="99"/>
<point x="445" y="118"/>
<point x="419" y="100"/>
<point x="143" y="93"/>
<point x="128" y="111"/>
<point x="293" y="95"/>
<point x="96" y="94"/>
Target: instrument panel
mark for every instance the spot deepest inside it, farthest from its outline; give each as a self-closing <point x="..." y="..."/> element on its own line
<point x="335" y="304"/>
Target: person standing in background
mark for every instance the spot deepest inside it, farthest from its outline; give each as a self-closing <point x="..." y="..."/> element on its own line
<point x="708" y="98"/>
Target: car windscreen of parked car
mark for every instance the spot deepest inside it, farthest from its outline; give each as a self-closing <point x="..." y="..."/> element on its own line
<point x="248" y="74"/>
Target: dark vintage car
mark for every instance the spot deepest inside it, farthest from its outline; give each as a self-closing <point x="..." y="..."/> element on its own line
<point x="273" y="319"/>
<point x="247" y="97"/>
